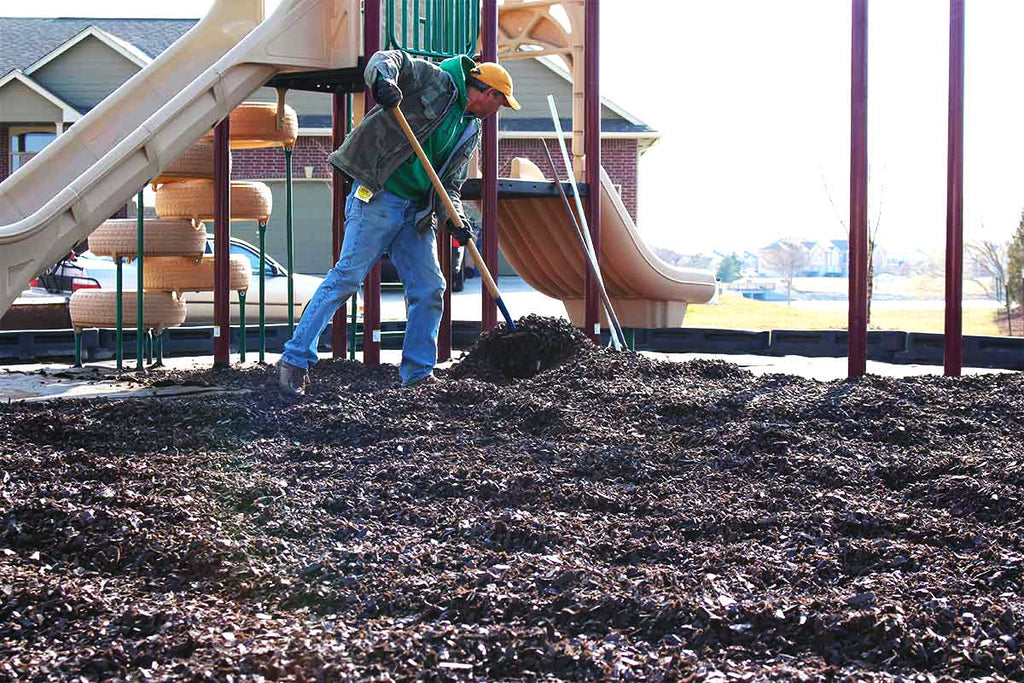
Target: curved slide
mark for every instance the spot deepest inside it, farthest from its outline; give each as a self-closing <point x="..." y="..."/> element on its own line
<point x="89" y="172"/>
<point x="537" y="238"/>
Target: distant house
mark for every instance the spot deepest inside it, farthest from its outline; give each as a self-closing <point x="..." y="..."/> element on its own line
<point x="817" y="259"/>
<point x="777" y="257"/>
<point x="673" y="258"/>
<point x="748" y="263"/>
<point x="837" y="258"/>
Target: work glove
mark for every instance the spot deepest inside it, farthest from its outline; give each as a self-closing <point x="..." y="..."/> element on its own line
<point x="463" y="233"/>
<point x="387" y="93"/>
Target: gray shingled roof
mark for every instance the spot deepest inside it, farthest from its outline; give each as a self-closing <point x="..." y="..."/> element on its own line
<point x="23" y="41"/>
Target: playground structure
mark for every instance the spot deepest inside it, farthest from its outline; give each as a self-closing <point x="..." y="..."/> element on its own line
<point x="133" y="135"/>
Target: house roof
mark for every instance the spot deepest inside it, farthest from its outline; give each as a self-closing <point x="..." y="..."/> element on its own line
<point x="70" y="113"/>
<point x="27" y="40"/>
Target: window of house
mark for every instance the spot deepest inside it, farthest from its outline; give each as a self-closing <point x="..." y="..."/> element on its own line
<point x="26" y="144"/>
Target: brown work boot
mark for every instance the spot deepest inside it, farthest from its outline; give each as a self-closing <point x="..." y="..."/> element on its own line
<point x="422" y="381"/>
<point x="291" y="379"/>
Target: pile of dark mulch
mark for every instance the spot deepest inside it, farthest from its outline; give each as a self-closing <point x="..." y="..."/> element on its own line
<point x="536" y="344"/>
<point x="609" y="517"/>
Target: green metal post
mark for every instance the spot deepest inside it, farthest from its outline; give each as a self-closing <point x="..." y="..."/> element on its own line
<point x="630" y="334"/>
<point x="428" y="27"/>
<point x="241" y="326"/>
<point x="78" y="349"/>
<point x="352" y="328"/>
<point x="288" y="237"/>
<point x="119" y="317"/>
<point x="149" y="346"/>
<point x="438" y="25"/>
<point x="139" y="297"/>
<point x="454" y="25"/>
<point x="417" y="23"/>
<point x="263" y="277"/>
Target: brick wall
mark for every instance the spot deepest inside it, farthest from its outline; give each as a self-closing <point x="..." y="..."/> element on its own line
<point x="618" y="157"/>
<point x="5" y="151"/>
<point x="310" y="150"/>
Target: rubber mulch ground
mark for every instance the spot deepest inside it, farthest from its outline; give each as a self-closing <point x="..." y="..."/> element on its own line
<point x="550" y="510"/>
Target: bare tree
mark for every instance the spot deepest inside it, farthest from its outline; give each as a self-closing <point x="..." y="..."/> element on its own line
<point x="992" y="260"/>
<point x="786" y="257"/>
<point x="873" y="227"/>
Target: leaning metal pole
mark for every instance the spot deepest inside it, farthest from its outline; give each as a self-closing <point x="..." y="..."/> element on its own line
<point x="858" y="320"/>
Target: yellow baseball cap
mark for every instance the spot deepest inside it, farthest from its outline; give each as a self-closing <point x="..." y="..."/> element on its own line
<point x="498" y="78"/>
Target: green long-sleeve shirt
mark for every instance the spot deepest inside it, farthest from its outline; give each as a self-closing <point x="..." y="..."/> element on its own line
<point x="410" y="180"/>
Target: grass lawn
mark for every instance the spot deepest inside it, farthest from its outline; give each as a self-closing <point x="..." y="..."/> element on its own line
<point x="737" y="312"/>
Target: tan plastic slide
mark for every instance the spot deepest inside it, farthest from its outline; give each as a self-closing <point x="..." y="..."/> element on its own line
<point x="81" y="178"/>
<point x="539" y="241"/>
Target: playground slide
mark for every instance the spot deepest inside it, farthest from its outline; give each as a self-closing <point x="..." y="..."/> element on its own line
<point x="86" y="174"/>
<point x="539" y="241"/>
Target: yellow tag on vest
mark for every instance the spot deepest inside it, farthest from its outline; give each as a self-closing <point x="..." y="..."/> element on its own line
<point x="363" y="194"/>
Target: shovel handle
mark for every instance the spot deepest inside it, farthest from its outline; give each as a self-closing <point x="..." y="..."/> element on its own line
<point x="485" y="274"/>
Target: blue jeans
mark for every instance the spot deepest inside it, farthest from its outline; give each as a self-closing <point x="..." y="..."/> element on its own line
<point x="385" y="224"/>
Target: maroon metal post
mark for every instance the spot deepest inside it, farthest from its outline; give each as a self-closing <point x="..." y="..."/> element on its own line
<point x="858" y="320"/>
<point x="444" y="258"/>
<point x="953" y="337"/>
<point x="592" y="152"/>
<point x="221" y="244"/>
<point x="489" y="156"/>
<point x="339" y="128"/>
<point x="371" y="286"/>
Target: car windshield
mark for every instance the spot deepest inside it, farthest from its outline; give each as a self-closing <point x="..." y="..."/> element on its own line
<point x="249" y="253"/>
<point x="89" y="255"/>
<point x="254" y="259"/>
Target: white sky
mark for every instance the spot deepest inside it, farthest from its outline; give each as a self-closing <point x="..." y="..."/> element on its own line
<point x="752" y="99"/>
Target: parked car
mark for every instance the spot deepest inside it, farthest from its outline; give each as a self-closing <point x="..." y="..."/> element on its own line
<point x="200" y="304"/>
<point x="65" y="277"/>
<point x="389" y="274"/>
<point x="103" y="271"/>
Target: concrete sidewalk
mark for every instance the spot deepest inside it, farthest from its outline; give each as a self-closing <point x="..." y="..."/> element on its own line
<point x="54" y="381"/>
